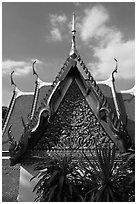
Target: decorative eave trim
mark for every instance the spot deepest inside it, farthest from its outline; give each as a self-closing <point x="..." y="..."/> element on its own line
<point x="39" y="84"/>
<point x="42" y="83"/>
<point x="20" y="93"/>
<point x="38" y="122"/>
<point x="129" y="91"/>
<point x="107" y="82"/>
<point x="53" y="91"/>
<point x="113" y="89"/>
<point x="111" y="83"/>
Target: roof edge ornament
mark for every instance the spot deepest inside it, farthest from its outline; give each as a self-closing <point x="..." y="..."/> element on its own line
<point x="11" y="79"/>
<point x="115" y="70"/>
<point x="34" y="72"/>
<point x="73" y="51"/>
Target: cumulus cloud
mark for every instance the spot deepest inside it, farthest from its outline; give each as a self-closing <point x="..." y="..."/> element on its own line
<point x="57" y="19"/>
<point x="57" y="23"/>
<point x="93" y="22"/>
<point x="20" y="67"/>
<point x="124" y="52"/>
<point x="109" y="43"/>
<point x="56" y="34"/>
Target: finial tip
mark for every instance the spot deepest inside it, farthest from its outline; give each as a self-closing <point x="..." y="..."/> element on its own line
<point x="11" y="78"/>
<point x="34" y="72"/>
<point x="73" y="23"/>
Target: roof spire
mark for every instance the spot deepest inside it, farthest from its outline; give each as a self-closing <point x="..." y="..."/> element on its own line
<point x="73" y="51"/>
<point x="73" y="24"/>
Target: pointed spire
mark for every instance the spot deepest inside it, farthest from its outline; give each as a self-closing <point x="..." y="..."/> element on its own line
<point x="73" y="24"/>
<point x="11" y="79"/>
<point x="73" y="51"/>
<point x="34" y="72"/>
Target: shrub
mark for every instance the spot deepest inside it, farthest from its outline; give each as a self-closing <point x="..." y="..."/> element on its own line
<point x="97" y="176"/>
<point x="57" y="182"/>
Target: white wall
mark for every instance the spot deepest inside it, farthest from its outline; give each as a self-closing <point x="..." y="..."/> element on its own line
<point x="26" y="193"/>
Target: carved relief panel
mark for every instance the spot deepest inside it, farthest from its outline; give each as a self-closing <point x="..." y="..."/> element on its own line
<point x="74" y="125"/>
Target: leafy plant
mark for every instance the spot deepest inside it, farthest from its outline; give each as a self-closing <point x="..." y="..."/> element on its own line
<point x="129" y="169"/>
<point x="99" y="176"/>
<point x="56" y="179"/>
<point x="104" y="176"/>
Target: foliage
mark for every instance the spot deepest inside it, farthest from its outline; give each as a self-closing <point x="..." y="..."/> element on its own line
<point x="103" y="176"/>
<point x="56" y="179"/>
<point x="97" y="176"/>
<point x="129" y="166"/>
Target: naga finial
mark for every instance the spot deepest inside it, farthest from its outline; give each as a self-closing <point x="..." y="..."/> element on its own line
<point x="73" y="50"/>
<point x="11" y="79"/>
<point x="34" y="72"/>
<point x="115" y="70"/>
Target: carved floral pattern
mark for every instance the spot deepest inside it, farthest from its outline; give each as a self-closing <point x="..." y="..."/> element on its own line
<point x="74" y="125"/>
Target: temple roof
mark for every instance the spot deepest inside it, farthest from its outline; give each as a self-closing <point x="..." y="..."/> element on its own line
<point x="30" y="113"/>
<point x="19" y="109"/>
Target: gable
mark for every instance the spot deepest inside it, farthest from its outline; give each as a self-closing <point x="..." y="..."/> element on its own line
<point x="74" y="124"/>
<point x="92" y="95"/>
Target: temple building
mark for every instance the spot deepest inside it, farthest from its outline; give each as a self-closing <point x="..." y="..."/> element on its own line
<point x="73" y="111"/>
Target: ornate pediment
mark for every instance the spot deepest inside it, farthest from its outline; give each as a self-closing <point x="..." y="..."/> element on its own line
<point x="74" y="125"/>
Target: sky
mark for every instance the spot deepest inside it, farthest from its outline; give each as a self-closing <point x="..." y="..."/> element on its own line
<point x="42" y="31"/>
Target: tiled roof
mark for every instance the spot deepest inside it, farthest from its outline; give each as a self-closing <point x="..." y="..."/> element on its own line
<point x="127" y="106"/>
<point x="21" y="108"/>
<point x="43" y="93"/>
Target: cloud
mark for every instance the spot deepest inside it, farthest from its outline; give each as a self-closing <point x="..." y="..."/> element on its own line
<point x="92" y="24"/>
<point x="56" y="34"/>
<point x="57" y="23"/>
<point x="124" y="52"/>
<point x="20" y="67"/>
<point x="106" y="43"/>
<point x="57" y="19"/>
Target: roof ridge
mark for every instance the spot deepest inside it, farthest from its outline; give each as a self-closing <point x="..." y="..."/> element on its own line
<point x="34" y="100"/>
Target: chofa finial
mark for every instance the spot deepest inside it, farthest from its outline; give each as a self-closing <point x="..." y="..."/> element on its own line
<point x="34" y="72"/>
<point x="73" y="51"/>
<point x="115" y="70"/>
<point x="11" y="79"/>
